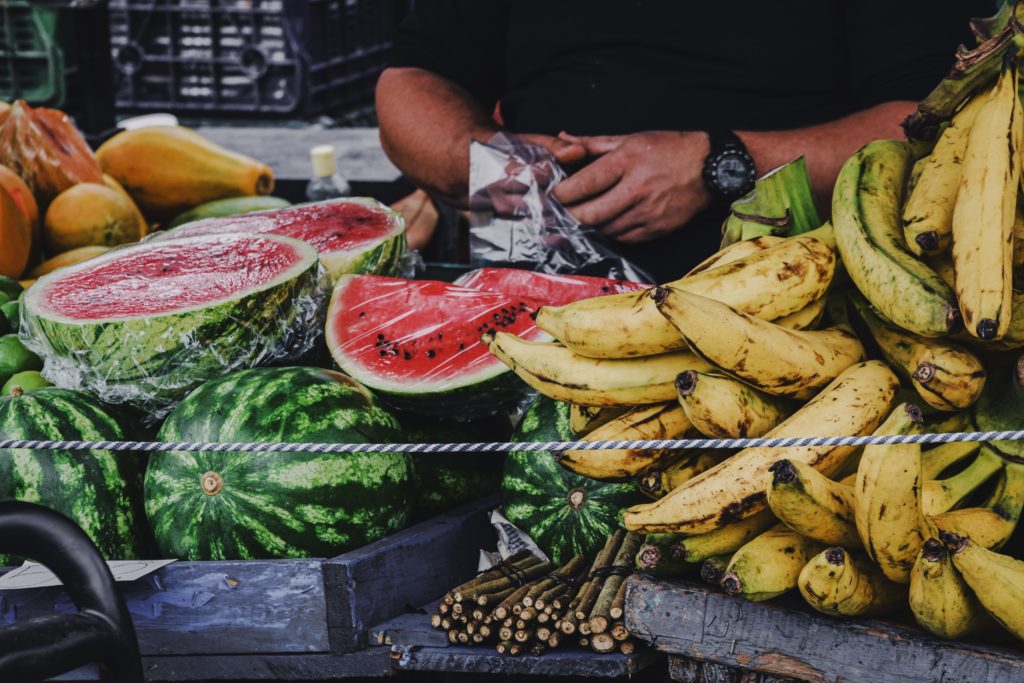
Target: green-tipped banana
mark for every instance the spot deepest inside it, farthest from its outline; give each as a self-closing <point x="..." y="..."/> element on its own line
<point x="990" y="527"/>
<point x="725" y="539"/>
<point x="721" y="407"/>
<point x="940" y="600"/>
<point x="866" y="216"/>
<point x="837" y="583"/>
<point x="656" y="557"/>
<point x="713" y="569"/>
<point x="1001" y="408"/>
<point x="997" y="580"/>
<point x="660" y="481"/>
<point x="768" y="565"/>
<point x="943" y="456"/>
<point x="813" y="505"/>
<point x="941" y="495"/>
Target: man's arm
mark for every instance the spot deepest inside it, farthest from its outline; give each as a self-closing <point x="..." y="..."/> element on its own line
<point x="426" y="125"/>
<point x="646" y="185"/>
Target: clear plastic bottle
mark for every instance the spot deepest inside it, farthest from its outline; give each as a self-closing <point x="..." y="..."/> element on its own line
<point x="326" y="183"/>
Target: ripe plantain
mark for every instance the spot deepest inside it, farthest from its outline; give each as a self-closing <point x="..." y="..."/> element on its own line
<point x="721" y="407"/>
<point x="807" y="318"/>
<point x="583" y="419"/>
<point x="769" y="565"/>
<point x="769" y="284"/>
<point x="661" y="421"/>
<point x="985" y="207"/>
<point x="775" y="360"/>
<point x="947" y="377"/>
<point x="992" y="526"/>
<point x="997" y="580"/>
<point x="935" y="460"/>
<point x="866" y="216"/>
<point x="655" y="557"/>
<point x="854" y="404"/>
<point x="928" y="213"/>
<point x="725" y="539"/>
<point x="887" y="497"/>
<point x="813" y="505"/>
<point x="558" y="373"/>
<point x="735" y="251"/>
<point x="660" y="481"/>
<point x="840" y="584"/>
<point x="940" y="495"/>
<point x="940" y="600"/>
<point x="1014" y="337"/>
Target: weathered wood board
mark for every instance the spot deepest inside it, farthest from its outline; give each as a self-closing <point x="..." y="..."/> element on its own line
<point x="484" y="660"/>
<point x="695" y="622"/>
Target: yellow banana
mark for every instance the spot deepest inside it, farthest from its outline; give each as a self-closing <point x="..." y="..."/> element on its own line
<point x="1014" y="337"/>
<point x="935" y="460"/>
<point x="721" y="407"/>
<point x="869" y="234"/>
<point x="946" y="423"/>
<point x="583" y="419"/>
<point x="558" y="373"/>
<point x="947" y="377"/>
<point x="989" y="527"/>
<point x="777" y="361"/>
<point x="997" y="580"/>
<point x="940" y="600"/>
<point x="658" y="482"/>
<point x="985" y="208"/>
<point x="735" y="252"/>
<point x="769" y="284"/>
<point x="807" y="318"/>
<point x="712" y="569"/>
<point x="813" y="505"/>
<point x="769" y="565"/>
<point x="725" y="539"/>
<point x="854" y="404"/>
<point x="928" y="214"/>
<point x="661" y="421"/>
<point x="837" y="583"/>
<point x="887" y="497"/>
<point x="940" y="495"/>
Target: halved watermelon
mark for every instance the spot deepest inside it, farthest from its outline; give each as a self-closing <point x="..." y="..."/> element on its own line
<point x="417" y="343"/>
<point x="353" y="235"/>
<point x="146" y="324"/>
<point x="551" y="290"/>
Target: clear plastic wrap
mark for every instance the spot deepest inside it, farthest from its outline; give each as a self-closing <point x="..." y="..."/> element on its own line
<point x="144" y="325"/>
<point x="516" y="221"/>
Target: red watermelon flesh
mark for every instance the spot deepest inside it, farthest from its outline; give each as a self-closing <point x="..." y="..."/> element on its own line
<point x="551" y="290"/>
<point x="417" y="342"/>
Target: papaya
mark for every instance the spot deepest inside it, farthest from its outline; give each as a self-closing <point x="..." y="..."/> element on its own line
<point x="15" y="237"/>
<point x="169" y="169"/>
<point x="88" y="214"/>
<point x="114" y="185"/>
<point x="22" y="195"/>
<point x="68" y="258"/>
<point x="46" y="150"/>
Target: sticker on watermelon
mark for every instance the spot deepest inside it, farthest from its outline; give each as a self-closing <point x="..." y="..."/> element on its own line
<point x="146" y="324"/>
<point x="417" y="343"/>
<point x="352" y="235"/>
<point x="551" y="290"/>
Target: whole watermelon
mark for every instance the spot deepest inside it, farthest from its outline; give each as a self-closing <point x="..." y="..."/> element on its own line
<point x="100" y="490"/>
<point x="563" y="512"/>
<point x="216" y="506"/>
<point x="447" y="480"/>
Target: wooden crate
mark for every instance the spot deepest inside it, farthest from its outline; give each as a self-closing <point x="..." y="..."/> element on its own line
<point x="285" y="619"/>
<point x="696" y="623"/>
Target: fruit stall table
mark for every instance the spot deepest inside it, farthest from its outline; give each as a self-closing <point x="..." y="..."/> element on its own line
<point x="282" y="620"/>
<point x="718" y="637"/>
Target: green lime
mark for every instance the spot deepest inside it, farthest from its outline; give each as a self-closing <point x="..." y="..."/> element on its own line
<point x="24" y="382"/>
<point x="10" y="287"/>
<point x="12" y="312"/>
<point x="15" y="358"/>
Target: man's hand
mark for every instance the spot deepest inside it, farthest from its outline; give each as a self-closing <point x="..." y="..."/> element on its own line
<point x="639" y="187"/>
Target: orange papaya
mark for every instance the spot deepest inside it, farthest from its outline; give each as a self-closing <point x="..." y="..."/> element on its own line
<point x="90" y="214"/>
<point x="168" y="169"/>
<point x="114" y="185"/>
<point x="22" y="195"/>
<point x="15" y="237"/>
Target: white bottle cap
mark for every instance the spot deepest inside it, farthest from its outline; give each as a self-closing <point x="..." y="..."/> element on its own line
<point x="323" y="161"/>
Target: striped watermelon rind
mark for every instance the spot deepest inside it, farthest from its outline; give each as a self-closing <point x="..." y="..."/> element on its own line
<point x="276" y="505"/>
<point x="563" y="512"/>
<point x="153" y="361"/>
<point x="100" y="490"/>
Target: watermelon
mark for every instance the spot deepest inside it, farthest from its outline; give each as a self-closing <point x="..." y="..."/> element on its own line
<point x="563" y="512"/>
<point x="100" y="490"/>
<point x="551" y="290"/>
<point x="146" y="324"/>
<point x="226" y="506"/>
<point x="417" y="343"/>
<point x="447" y="480"/>
<point x="353" y="235"/>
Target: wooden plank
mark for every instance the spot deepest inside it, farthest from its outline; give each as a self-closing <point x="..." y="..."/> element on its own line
<point x="685" y="670"/>
<point x="692" y="621"/>
<point x="408" y="629"/>
<point x="484" y="660"/>
<point x="223" y="608"/>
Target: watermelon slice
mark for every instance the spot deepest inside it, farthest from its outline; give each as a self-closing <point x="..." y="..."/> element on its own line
<point x="146" y="324"/>
<point x="354" y="235"/>
<point x="417" y="343"/>
<point x="551" y="290"/>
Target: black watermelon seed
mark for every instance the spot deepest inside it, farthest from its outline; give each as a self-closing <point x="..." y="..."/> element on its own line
<point x="407" y="355"/>
<point x="431" y="353"/>
<point x="380" y="336"/>
<point x="383" y="352"/>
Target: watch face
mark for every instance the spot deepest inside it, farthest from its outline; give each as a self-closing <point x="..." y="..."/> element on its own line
<point x="733" y="173"/>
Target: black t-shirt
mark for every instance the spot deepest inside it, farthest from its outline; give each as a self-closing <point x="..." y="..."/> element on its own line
<point x="593" y="67"/>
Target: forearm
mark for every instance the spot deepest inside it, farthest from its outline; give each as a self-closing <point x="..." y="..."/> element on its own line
<point x="826" y="146"/>
<point x="426" y="124"/>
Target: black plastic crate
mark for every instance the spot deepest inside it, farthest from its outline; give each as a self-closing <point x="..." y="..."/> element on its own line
<point x="288" y="57"/>
<point x="36" y="60"/>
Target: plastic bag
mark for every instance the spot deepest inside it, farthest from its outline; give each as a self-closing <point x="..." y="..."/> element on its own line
<point x="146" y="324"/>
<point x="516" y="221"/>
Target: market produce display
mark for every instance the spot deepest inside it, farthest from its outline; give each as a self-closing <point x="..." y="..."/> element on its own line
<point x="553" y="290"/>
<point x="213" y="506"/>
<point x="232" y="206"/>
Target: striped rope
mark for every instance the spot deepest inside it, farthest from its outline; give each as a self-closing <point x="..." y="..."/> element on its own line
<point x="506" y="446"/>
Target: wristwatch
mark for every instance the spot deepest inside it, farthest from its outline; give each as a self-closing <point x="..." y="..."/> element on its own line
<point x="728" y="168"/>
